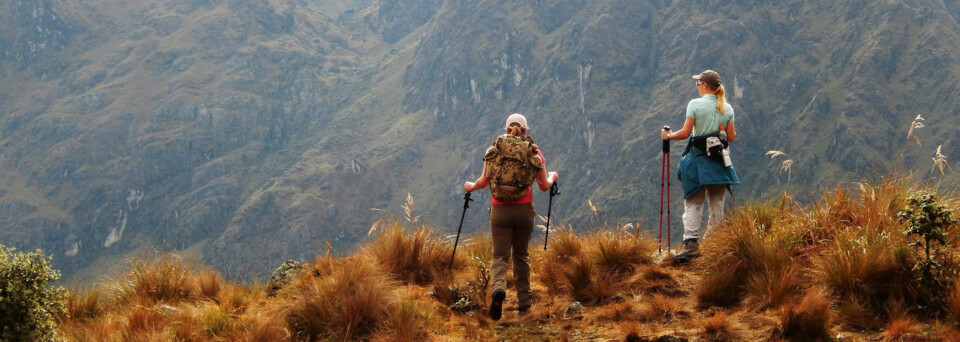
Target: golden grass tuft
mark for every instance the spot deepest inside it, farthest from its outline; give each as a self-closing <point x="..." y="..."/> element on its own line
<point x="664" y="306"/>
<point x="239" y="298"/>
<point x="349" y="303"/>
<point x="946" y="332"/>
<point x="808" y="320"/>
<point x="217" y="320"/>
<point x="862" y="263"/>
<point x="141" y="319"/>
<point x="257" y="326"/>
<point x="564" y="245"/>
<point x="902" y="328"/>
<point x="167" y="279"/>
<point x="631" y="331"/>
<point x="412" y="257"/>
<point x="620" y="253"/>
<point x="720" y="326"/>
<point x="209" y="284"/>
<point x="407" y="320"/>
<point x="593" y="268"/>
<point x="85" y="304"/>
<point x="852" y="313"/>
<point x="751" y="256"/>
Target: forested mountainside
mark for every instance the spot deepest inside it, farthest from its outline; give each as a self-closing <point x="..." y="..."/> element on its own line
<point x="244" y="132"/>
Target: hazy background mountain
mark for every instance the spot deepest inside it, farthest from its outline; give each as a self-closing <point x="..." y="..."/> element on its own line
<point x="246" y="132"/>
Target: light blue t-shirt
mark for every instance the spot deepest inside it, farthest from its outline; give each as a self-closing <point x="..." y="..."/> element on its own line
<point x="706" y="118"/>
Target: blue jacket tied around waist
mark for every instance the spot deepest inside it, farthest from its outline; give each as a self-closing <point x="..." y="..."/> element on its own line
<point x="697" y="170"/>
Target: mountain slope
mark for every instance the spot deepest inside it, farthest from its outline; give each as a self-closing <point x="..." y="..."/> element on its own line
<point x="248" y="132"/>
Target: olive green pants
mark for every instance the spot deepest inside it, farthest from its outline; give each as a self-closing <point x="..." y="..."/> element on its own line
<point x="511" y="226"/>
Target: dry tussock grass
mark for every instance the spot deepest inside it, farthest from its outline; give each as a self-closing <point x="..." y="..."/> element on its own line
<point x="258" y="326"/>
<point x="412" y="257"/>
<point x="208" y="284"/>
<point x="407" y="320"/>
<point x="720" y="326"/>
<point x="902" y="328"/>
<point x="853" y="314"/>
<point x="166" y="279"/>
<point x="808" y="320"/>
<point x="844" y="261"/>
<point x="349" y="303"/>
<point x="752" y="255"/>
<point x="862" y="264"/>
<point x="596" y="267"/>
<point x="84" y="304"/>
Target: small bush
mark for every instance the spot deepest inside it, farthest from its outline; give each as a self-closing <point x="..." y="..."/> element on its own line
<point x="926" y="222"/>
<point x="29" y="305"/>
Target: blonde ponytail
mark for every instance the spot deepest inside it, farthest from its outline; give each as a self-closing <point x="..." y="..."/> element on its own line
<point x="516" y="131"/>
<point x="721" y="100"/>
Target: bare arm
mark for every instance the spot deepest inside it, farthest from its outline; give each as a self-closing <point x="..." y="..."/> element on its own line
<point x="545" y="179"/>
<point x="731" y="133"/>
<point x="480" y="183"/>
<point x="681" y="134"/>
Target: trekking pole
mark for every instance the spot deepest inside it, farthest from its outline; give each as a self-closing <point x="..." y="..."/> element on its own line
<point x="466" y="204"/>
<point x="666" y="144"/>
<point x="664" y="172"/>
<point x="554" y="190"/>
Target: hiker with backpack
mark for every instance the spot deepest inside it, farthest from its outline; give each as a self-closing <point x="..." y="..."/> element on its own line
<point x="705" y="169"/>
<point x="510" y="166"/>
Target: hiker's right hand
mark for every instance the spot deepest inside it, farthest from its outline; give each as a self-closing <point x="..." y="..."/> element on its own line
<point x="663" y="133"/>
<point x="468" y="186"/>
<point x="553" y="176"/>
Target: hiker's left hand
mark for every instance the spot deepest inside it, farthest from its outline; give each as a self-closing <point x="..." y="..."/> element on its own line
<point x="468" y="186"/>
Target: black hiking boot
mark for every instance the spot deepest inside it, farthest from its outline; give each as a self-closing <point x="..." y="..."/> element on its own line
<point x="496" y="304"/>
<point x="689" y="250"/>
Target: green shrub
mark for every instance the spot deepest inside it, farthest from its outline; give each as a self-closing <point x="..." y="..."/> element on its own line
<point x="29" y="305"/>
<point x="927" y="221"/>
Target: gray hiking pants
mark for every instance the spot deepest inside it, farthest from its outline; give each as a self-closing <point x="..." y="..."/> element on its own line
<point x="511" y="226"/>
<point x="693" y="210"/>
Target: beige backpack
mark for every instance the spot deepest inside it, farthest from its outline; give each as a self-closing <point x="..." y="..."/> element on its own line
<point x="511" y="165"/>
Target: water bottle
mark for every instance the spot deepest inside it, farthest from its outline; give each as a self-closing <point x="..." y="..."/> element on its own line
<point x="726" y="152"/>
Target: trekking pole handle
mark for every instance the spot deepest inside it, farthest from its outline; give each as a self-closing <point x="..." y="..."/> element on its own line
<point x="554" y="190"/>
<point x="666" y="143"/>
<point x="466" y="200"/>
